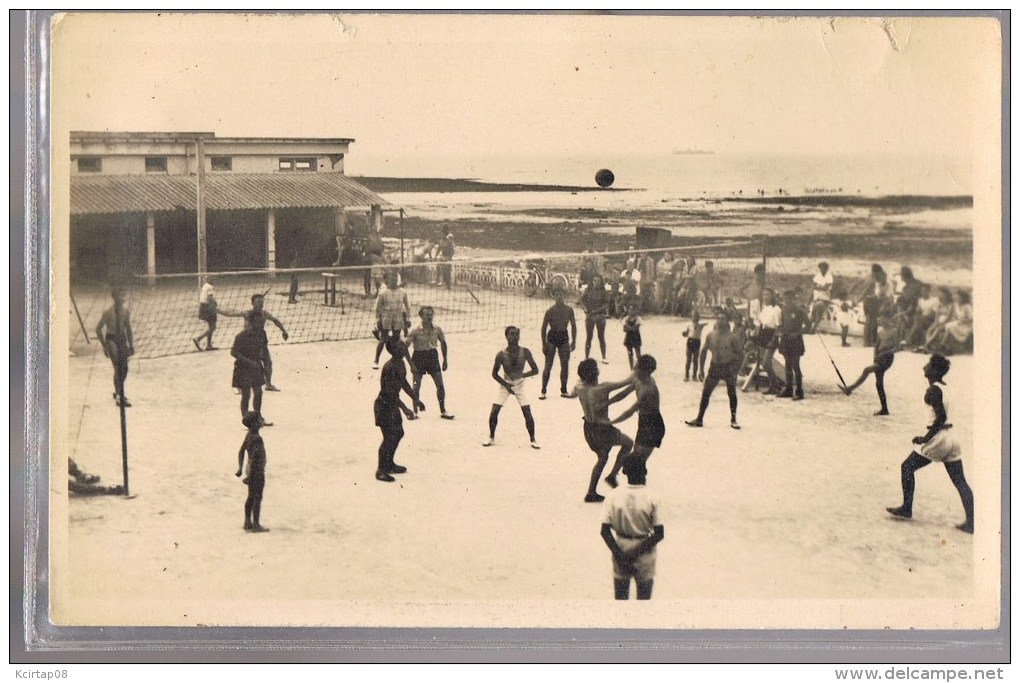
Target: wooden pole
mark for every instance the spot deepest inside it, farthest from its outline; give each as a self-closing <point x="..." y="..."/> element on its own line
<point x="120" y="398"/>
<point x="401" y="237"/>
<point x="200" y="209"/>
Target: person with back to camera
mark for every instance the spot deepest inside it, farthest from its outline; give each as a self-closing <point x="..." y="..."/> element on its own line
<point x="255" y="319"/>
<point x="651" y="427"/>
<point x="631" y="529"/>
<point x="632" y="336"/>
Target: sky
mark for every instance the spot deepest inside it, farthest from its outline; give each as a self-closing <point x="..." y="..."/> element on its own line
<point x="477" y="86"/>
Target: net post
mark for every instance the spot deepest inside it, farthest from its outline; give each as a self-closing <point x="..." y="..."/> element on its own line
<point x="120" y="400"/>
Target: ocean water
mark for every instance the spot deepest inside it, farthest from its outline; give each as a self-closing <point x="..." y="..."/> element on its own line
<point x="683" y="175"/>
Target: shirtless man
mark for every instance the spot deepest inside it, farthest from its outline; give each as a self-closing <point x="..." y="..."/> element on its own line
<point x="114" y="333"/>
<point x="255" y="318"/>
<point x="511" y="361"/>
<point x="651" y="427"/>
<point x="556" y="339"/>
<point x="600" y="434"/>
<point x="424" y="339"/>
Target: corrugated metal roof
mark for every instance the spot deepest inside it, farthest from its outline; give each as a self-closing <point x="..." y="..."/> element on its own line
<point x="92" y="194"/>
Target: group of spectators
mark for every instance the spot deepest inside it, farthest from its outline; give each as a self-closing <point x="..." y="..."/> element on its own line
<point x="669" y="285"/>
<point x="927" y="319"/>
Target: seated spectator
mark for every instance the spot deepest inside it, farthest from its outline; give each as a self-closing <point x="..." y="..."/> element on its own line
<point x="960" y="328"/>
<point x="942" y="318"/>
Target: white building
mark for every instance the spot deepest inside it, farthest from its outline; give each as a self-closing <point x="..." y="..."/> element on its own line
<point x="268" y="202"/>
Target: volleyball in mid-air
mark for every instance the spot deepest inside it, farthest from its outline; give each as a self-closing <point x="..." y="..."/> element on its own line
<point x="604" y="177"/>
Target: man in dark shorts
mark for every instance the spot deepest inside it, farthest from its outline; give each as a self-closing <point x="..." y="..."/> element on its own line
<point x="727" y="355"/>
<point x="791" y="344"/>
<point x="255" y="318"/>
<point x="249" y="370"/>
<point x="114" y="333"/>
<point x="556" y="339"/>
<point x="388" y="407"/>
<point x="425" y="359"/>
<point x="884" y="355"/>
<point x="651" y="427"/>
<point x="599" y="432"/>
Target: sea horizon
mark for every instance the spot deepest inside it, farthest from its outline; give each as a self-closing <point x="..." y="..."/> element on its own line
<point x="684" y="174"/>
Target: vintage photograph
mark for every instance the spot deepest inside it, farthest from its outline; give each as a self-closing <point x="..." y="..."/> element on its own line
<point x="547" y="320"/>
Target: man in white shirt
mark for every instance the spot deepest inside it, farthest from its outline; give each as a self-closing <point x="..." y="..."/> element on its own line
<point x="821" y="295"/>
<point x="631" y="528"/>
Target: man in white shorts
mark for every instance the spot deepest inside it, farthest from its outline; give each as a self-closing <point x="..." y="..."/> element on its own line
<point x="512" y="361"/>
<point x="939" y="444"/>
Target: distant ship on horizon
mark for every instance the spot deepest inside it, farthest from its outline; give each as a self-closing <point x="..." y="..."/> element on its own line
<point x="691" y="150"/>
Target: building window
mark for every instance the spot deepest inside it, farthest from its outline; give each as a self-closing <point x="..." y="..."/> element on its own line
<point x="90" y="164"/>
<point x="155" y="164"/>
<point x="297" y="164"/>
<point x="221" y="163"/>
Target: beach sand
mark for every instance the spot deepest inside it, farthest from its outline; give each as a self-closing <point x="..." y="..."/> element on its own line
<point x="781" y="524"/>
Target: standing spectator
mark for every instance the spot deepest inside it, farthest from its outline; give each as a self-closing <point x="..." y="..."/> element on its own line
<point x="665" y="279"/>
<point x="255" y="447"/>
<point x="877" y="295"/>
<point x="648" y="275"/>
<point x="769" y="320"/>
<point x="447" y="248"/>
<point x="114" y="333"/>
<point x="906" y="302"/>
<point x="821" y="295"/>
<point x="713" y="285"/>
<point x="630" y="289"/>
<point x="791" y="345"/>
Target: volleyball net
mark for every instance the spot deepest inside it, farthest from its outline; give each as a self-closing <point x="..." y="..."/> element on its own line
<point x="338" y="303"/>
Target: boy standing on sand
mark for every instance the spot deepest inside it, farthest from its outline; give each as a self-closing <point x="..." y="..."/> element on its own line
<point x="511" y="361"/>
<point x="693" y="334"/>
<point x="599" y="433"/>
<point x="939" y="444"/>
<point x="256" y="479"/>
<point x="631" y="528"/>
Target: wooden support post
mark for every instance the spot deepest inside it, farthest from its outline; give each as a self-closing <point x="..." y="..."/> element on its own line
<point x="200" y="209"/>
<point x="271" y="240"/>
<point x="150" y="247"/>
